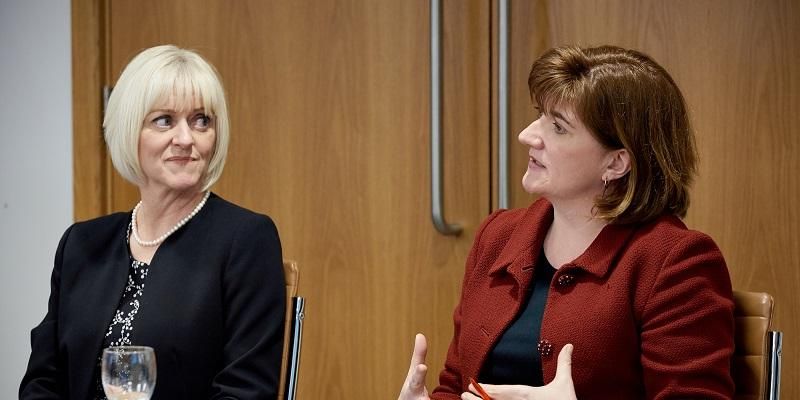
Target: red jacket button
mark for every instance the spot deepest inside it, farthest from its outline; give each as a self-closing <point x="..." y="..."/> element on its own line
<point x="565" y="280"/>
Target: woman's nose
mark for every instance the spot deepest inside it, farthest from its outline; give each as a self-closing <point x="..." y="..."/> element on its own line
<point x="530" y="136"/>
<point x="183" y="134"/>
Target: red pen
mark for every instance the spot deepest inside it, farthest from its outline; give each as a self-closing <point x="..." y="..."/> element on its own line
<point x="481" y="392"/>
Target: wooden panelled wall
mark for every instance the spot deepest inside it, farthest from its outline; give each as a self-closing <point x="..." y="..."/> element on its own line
<point x="736" y="61"/>
<point x="330" y="113"/>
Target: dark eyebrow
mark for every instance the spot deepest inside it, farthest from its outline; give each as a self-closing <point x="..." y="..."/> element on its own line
<point x="561" y="117"/>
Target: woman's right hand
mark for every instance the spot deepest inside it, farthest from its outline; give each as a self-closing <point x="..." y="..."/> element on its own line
<point x="414" y="386"/>
<point x="561" y="388"/>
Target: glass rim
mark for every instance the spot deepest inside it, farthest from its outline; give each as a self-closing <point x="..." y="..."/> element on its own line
<point x="128" y="349"/>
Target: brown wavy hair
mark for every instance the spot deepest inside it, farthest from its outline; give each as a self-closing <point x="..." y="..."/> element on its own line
<point x="627" y="101"/>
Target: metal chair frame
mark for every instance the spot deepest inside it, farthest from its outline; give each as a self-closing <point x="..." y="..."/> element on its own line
<point x="293" y="333"/>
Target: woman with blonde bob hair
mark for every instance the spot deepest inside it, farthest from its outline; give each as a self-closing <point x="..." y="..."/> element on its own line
<point x="597" y="288"/>
<point x="152" y="78"/>
<point x="185" y="272"/>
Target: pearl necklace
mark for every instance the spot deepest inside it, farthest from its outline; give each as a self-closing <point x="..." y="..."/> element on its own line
<point x="163" y="237"/>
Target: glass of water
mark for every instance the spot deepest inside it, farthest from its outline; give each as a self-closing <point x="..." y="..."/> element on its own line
<point x="128" y="372"/>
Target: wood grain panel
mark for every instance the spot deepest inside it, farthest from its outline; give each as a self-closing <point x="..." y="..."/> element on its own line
<point x="737" y="64"/>
<point x="89" y="166"/>
<point x="330" y="136"/>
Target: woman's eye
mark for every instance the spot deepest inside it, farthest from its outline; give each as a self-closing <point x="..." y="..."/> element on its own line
<point x="163" y="121"/>
<point x="202" y="122"/>
<point x="558" y="128"/>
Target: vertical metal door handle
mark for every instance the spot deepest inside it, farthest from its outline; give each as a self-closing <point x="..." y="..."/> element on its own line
<point x="502" y="106"/>
<point x="436" y="124"/>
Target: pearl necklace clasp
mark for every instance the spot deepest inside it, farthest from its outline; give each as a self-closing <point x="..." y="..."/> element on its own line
<point x="162" y="238"/>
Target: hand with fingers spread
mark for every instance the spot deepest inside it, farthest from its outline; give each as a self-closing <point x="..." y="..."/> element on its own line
<point x="560" y="388"/>
<point x="414" y="386"/>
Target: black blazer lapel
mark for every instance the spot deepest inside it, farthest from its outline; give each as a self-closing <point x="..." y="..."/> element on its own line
<point x="98" y="283"/>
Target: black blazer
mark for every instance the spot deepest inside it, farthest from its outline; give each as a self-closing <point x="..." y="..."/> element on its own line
<point x="213" y="308"/>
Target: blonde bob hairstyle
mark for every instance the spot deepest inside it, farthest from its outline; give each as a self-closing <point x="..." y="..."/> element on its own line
<point x="626" y="100"/>
<point x="150" y="79"/>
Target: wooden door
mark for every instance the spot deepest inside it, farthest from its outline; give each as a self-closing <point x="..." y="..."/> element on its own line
<point x="329" y="103"/>
<point x="738" y="64"/>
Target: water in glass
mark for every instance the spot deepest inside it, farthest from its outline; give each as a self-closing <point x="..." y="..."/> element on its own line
<point x="128" y="372"/>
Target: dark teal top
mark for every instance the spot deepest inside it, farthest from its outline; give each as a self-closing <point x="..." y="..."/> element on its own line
<point x="515" y="360"/>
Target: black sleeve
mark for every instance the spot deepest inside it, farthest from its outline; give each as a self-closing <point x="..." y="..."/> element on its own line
<point x="44" y="379"/>
<point x="255" y="306"/>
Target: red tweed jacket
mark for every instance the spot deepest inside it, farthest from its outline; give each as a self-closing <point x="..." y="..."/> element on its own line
<point x="648" y="308"/>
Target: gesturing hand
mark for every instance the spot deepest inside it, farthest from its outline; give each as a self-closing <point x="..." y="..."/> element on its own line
<point x="414" y="386"/>
<point x="561" y="388"/>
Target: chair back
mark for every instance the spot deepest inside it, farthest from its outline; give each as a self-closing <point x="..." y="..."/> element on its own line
<point x="293" y="333"/>
<point x="292" y="277"/>
<point x="756" y="361"/>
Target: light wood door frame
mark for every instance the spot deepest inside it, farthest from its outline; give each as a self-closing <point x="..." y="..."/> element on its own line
<point x="90" y="166"/>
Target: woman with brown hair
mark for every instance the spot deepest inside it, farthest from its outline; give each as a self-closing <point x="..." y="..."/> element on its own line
<point x="599" y="278"/>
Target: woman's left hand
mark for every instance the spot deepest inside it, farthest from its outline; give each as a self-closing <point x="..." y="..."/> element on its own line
<point x="561" y="388"/>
